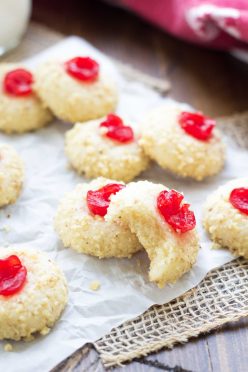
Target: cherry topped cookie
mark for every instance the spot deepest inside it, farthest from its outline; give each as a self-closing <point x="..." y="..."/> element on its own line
<point x="77" y="89"/>
<point x="226" y="216"/>
<point x="186" y="143"/>
<point x="81" y="223"/>
<point x="20" y="108"/>
<point x="11" y="175"/>
<point x="33" y="293"/>
<point x="164" y="224"/>
<point x="106" y="147"/>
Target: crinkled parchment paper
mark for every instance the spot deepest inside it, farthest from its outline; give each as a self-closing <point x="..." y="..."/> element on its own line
<point x="125" y="290"/>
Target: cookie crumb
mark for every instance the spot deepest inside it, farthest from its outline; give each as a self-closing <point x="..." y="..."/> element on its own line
<point x="6" y="228"/>
<point x="95" y="285"/>
<point x="8" y="347"/>
<point x="45" y="331"/>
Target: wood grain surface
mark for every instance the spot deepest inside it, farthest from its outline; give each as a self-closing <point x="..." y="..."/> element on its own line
<point x="213" y="82"/>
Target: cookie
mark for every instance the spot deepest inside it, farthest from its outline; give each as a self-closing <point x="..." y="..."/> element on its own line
<point x="81" y="225"/>
<point x="163" y="224"/>
<point x="225" y="216"/>
<point x="106" y="147"/>
<point x="33" y="293"/>
<point x="11" y="175"/>
<point x="183" y="142"/>
<point x="76" y="90"/>
<point x="20" y="109"/>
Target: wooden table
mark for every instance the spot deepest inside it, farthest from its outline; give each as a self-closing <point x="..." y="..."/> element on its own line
<point x="213" y="82"/>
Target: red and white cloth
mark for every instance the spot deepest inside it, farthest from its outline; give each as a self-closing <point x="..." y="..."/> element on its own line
<point x="214" y="23"/>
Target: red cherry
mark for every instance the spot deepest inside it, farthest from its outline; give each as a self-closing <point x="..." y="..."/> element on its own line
<point x="98" y="201"/>
<point x="18" y="82"/>
<point x="112" y="120"/>
<point x="239" y="199"/>
<point x="178" y="216"/>
<point x="83" y="68"/>
<point x="197" y="125"/>
<point x="12" y="275"/>
<point x="116" y="130"/>
<point x="169" y="202"/>
<point x="121" y="134"/>
<point x="184" y="220"/>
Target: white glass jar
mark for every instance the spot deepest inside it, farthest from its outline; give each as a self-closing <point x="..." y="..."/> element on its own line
<point x="14" y="16"/>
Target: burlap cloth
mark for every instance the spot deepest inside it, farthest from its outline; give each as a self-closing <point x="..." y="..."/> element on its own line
<point x="221" y="297"/>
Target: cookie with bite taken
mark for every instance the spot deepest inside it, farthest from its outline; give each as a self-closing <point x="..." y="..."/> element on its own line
<point x="164" y="225"/>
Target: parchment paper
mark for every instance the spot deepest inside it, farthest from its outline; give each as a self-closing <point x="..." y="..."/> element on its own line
<point x="125" y="290"/>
